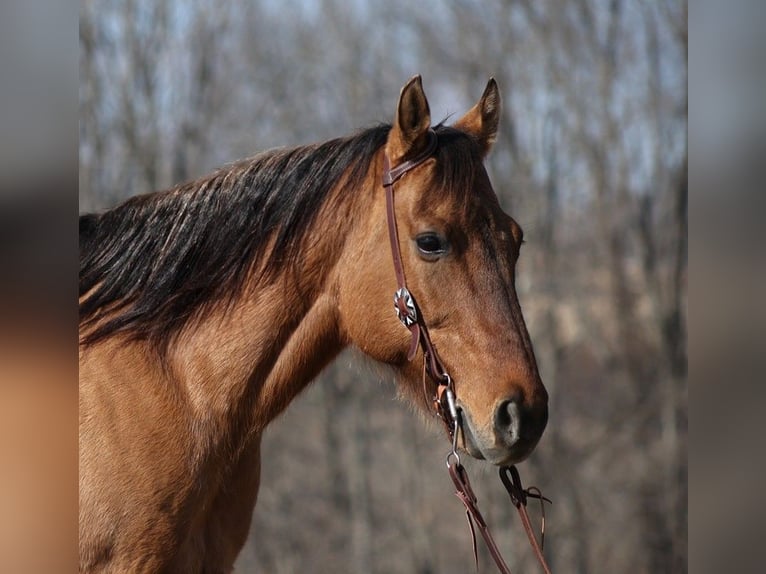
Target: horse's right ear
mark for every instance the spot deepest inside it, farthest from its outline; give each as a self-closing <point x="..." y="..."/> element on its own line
<point x="413" y="119"/>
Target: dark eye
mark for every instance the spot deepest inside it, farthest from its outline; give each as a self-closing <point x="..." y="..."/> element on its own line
<point x="430" y="245"/>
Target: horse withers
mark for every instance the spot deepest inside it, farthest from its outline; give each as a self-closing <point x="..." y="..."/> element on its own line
<point x="206" y="308"/>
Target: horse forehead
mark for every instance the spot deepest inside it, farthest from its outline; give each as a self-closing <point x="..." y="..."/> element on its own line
<point x="473" y="206"/>
<point x="472" y="210"/>
<point x="484" y="218"/>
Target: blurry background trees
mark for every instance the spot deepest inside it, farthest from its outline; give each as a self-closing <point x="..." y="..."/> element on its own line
<point x="591" y="160"/>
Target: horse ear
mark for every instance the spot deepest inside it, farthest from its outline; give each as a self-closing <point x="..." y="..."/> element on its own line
<point x="413" y="119"/>
<point x="481" y="120"/>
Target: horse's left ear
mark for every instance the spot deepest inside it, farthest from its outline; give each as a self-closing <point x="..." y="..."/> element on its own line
<point x="481" y="120"/>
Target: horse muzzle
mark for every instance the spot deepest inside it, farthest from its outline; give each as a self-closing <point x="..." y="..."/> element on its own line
<point x="509" y="437"/>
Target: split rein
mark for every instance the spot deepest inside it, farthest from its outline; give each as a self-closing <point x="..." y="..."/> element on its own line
<point x="444" y="400"/>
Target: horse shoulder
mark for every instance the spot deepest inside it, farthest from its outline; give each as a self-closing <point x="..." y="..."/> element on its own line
<point x="133" y="468"/>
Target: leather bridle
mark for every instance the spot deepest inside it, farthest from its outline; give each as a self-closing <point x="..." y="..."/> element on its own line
<point x="443" y="398"/>
<point x="404" y="303"/>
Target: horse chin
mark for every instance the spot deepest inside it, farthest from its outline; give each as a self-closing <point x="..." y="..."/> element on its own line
<point x="508" y="457"/>
<point x="469" y="443"/>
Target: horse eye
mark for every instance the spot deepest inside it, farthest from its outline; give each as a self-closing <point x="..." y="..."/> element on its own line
<point x="431" y="245"/>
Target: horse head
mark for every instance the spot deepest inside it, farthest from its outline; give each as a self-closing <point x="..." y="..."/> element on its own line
<point x="459" y="252"/>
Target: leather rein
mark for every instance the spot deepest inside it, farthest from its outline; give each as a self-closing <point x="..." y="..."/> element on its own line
<point x="443" y="398"/>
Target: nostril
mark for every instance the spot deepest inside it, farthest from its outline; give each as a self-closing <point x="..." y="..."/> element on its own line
<point x="507" y="419"/>
<point x="503" y="415"/>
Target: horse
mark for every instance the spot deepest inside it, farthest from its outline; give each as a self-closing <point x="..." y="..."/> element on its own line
<point x="206" y="308"/>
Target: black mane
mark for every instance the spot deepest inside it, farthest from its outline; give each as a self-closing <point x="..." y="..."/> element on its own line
<point x="155" y="261"/>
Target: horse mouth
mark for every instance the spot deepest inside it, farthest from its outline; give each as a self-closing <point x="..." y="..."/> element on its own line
<point x="494" y="451"/>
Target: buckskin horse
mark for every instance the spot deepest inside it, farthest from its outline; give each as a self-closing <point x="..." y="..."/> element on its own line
<point x="205" y="309"/>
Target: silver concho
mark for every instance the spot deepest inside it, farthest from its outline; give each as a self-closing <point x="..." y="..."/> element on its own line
<point x="411" y="316"/>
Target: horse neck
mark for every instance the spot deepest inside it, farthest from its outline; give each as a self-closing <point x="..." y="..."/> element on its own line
<point x="242" y="366"/>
